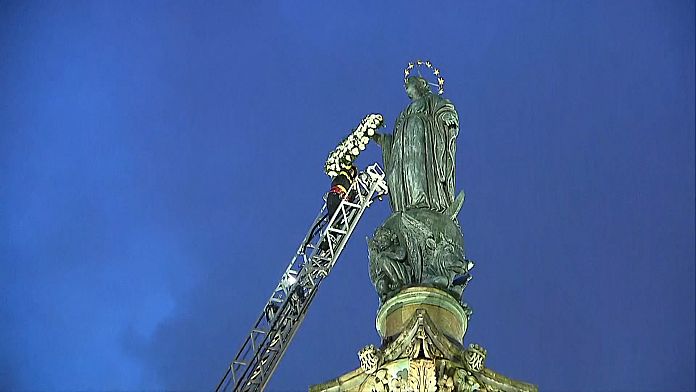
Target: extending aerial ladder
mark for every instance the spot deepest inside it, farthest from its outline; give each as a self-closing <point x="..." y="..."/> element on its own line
<point x="266" y="343"/>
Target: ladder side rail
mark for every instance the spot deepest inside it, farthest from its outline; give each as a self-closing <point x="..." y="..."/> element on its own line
<point x="278" y="297"/>
<point x="366" y="188"/>
<point x="368" y="183"/>
<point x="249" y="349"/>
<point x="251" y="383"/>
<point x="300" y="251"/>
<point x="341" y="214"/>
<point x="309" y="282"/>
<point x="282" y="328"/>
<point x="365" y="202"/>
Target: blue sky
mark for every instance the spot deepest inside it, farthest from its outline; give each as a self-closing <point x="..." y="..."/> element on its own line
<point x="161" y="161"/>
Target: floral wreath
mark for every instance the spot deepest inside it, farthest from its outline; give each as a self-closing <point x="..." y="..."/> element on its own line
<point x="342" y="157"/>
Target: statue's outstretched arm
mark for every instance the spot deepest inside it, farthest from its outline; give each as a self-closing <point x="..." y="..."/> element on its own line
<point x="383" y="139"/>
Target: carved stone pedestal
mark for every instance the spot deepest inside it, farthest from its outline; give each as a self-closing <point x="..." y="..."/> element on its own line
<point x="422" y="330"/>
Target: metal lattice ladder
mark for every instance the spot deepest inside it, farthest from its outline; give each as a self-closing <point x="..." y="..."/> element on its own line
<point x="285" y="310"/>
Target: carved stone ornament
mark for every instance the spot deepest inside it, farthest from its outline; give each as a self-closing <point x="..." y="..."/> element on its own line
<point x="418" y="248"/>
<point x="475" y="357"/>
<point x="398" y="382"/>
<point x="421" y="376"/>
<point x="419" y="340"/>
<point x="370" y="358"/>
<point x="466" y="382"/>
<point x="445" y="383"/>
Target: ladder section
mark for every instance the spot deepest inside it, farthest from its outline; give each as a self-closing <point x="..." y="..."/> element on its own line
<point x="266" y="343"/>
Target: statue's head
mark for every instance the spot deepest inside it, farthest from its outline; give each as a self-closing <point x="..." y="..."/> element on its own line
<point x="416" y="87"/>
<point x="383" y="239"/>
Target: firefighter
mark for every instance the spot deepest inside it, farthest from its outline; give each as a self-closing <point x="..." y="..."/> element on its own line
<point x="339" y="188"/>
<point x="339" y="191"/>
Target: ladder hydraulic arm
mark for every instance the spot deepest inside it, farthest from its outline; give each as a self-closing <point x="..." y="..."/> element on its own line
<point x="265" y="344"/>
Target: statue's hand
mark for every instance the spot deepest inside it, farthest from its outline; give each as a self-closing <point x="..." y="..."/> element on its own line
<point x="377" y="137"/>
<point x="450" y="120"/>
<point x="381" y="138"/>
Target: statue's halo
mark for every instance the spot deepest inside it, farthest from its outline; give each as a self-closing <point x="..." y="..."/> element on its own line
<point x="436" y="72"/>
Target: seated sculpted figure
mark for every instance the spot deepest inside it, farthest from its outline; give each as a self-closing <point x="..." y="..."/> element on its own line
<point x="389" y="269"/>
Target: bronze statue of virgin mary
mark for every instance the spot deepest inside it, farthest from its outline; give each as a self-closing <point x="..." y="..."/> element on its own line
<point x="421" y="243"/>
<point x="419" y="155"/>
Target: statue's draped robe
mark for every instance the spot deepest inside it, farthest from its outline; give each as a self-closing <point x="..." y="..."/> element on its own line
<point x="419" y="156"/>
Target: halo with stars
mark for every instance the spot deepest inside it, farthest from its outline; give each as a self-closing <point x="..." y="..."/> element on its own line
<point x="436" y="72"/>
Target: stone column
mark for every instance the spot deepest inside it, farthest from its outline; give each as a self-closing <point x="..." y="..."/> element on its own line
<point x="422" y="330"/>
